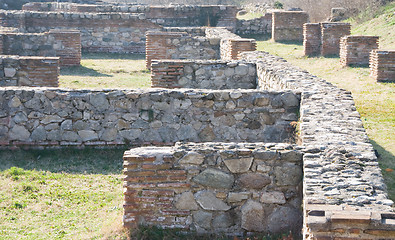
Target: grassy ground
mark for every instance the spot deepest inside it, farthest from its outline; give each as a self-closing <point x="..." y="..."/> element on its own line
<point x="374" y="101"/>
<point x="98" y="71"/>
<point x="61" y="194"/>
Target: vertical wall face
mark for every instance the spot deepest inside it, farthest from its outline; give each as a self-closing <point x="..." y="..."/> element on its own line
<point x="330" y="37"/>
<point x="230" y="48"/>
<point x="288" y="25"/>
<point x="60" y="43"/>
<point x="29" y="71"/>
<point x="1" y="44"/>
<point x="312" y="39"/>
<point x="214" y="187"/>
<point x="205" y="74"/>
<point x="262" y="25"/>
<point x="67" y="46"/>
<point x="355" y="50"/>
<point x="382" y="65"/>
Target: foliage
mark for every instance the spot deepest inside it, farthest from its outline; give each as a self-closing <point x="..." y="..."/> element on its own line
<point x="278" y="5"/>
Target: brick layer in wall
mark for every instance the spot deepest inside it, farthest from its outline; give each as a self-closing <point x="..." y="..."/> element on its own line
<point x="166" y="76"/>
<point x="312" y="39"/>
<point x="382" y="65"/>
<point x="288" y="25"/>
<point x="70" y="51"/>
<point x="157" y="45"/>
<point x="355" y="50"/>
<point x="241" y="45"/>
<point x="330" y="37"/>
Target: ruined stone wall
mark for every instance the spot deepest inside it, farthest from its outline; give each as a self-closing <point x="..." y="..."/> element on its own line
<point x="57" y="43"/>
<point x="261" y="25"/>
<point x="324" y="38"/>
<point x="100" y="32"/>
<point x="344" y="193"/>
<point x="205" y="74"/>
<point x="39" y="116"/>
<point x="28" y="71"/>
<point x="288" y="25"/>
<point x="176" y="16"/>
<point x="215" y="187"/>
<point x="382" y="65"/>
<point x="231" y="44"/>
<point x="179" y="45"/>
<point x="355" y="50"/>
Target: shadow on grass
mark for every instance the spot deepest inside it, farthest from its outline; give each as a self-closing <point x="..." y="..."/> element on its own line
<point x="299" y="43"/>
<point x="113" y="56"/>
<point x="68" y="160"/>
<point x="82" y="71"/>
<point x="387" y="164"/>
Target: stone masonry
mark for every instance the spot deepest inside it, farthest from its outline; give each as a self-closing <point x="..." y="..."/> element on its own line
<point x="215" y="187"/>
<point x="29" y="71"/>
<point x="53" y="117"/>
<point x="344" y="192"/>
<point x="324" y="38"/>
<point x="288" y="25"/>
<point x="382" y="65"/>
<point x="207" y="74"/>
<point x="65" y="44"/>
<point x="355" y="50"/>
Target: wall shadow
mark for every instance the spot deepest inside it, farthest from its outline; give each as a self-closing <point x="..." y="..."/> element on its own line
<point x="82" y="71"/>
<point x="66" y="160"/>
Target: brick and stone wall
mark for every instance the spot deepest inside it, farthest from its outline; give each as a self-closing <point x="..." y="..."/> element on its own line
<point x="215" y="187"/>
<point x="355" y="50"/>
<point x="205" y="74"/>
<point x="28" y="71"/>
<point x="344" y="195"/>
<point x="176" y="15"/>
<point x="83" y="117"/>
<point x="382" y="65"/>
<point x="288" y="25"/>
<point x="324" y="38"/>
<point x="100" y="32"/>
<point x="180" y="45"/>
<point x="65" y="44"/>
<point x="261" y="25"/>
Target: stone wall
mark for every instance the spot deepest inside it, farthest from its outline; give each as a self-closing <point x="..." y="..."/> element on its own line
<point x="29" y="71"/>
<point x="288" y="25"/>
<point x="100" y="32"/>
<point x="324" y="38"/>
<point x="231" y="44"/>
<point x="205" y="74"/>
<point x="65" y="44"/>
<point x="261" y="25"/>
<point x="180" y="45"/>
<point x="382" y="65"/>
<point x="355" y="50"/>
<point x="344" y="193"/>
<point x="176" y="15"/>
<point x="39" y="116"/>
<point x="215" y="187"/>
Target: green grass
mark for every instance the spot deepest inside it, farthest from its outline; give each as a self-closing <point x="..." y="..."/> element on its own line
<point x="379" y="23"/>
<point x="100" y="70"/>
<point x="61" y="194"/>
<point x="250" y="15"/>
<point x="374" y="101"/>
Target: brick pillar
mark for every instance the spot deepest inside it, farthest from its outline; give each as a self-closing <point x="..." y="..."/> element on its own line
<point x="311" y="39"/>
<point x="150" y="186"/>
<point x="40" y="71"/>
<point x="288" y="25"/>
<point x="157" y="45"/>
<point x="355" y="50"/>
<point x="382" y="65"/>
<point x="241" y="45"/>
<point x="330" y="37"/>
<point x="67" y="46"/>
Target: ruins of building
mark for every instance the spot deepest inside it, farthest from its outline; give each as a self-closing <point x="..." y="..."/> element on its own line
<point x="236" y="167"/>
